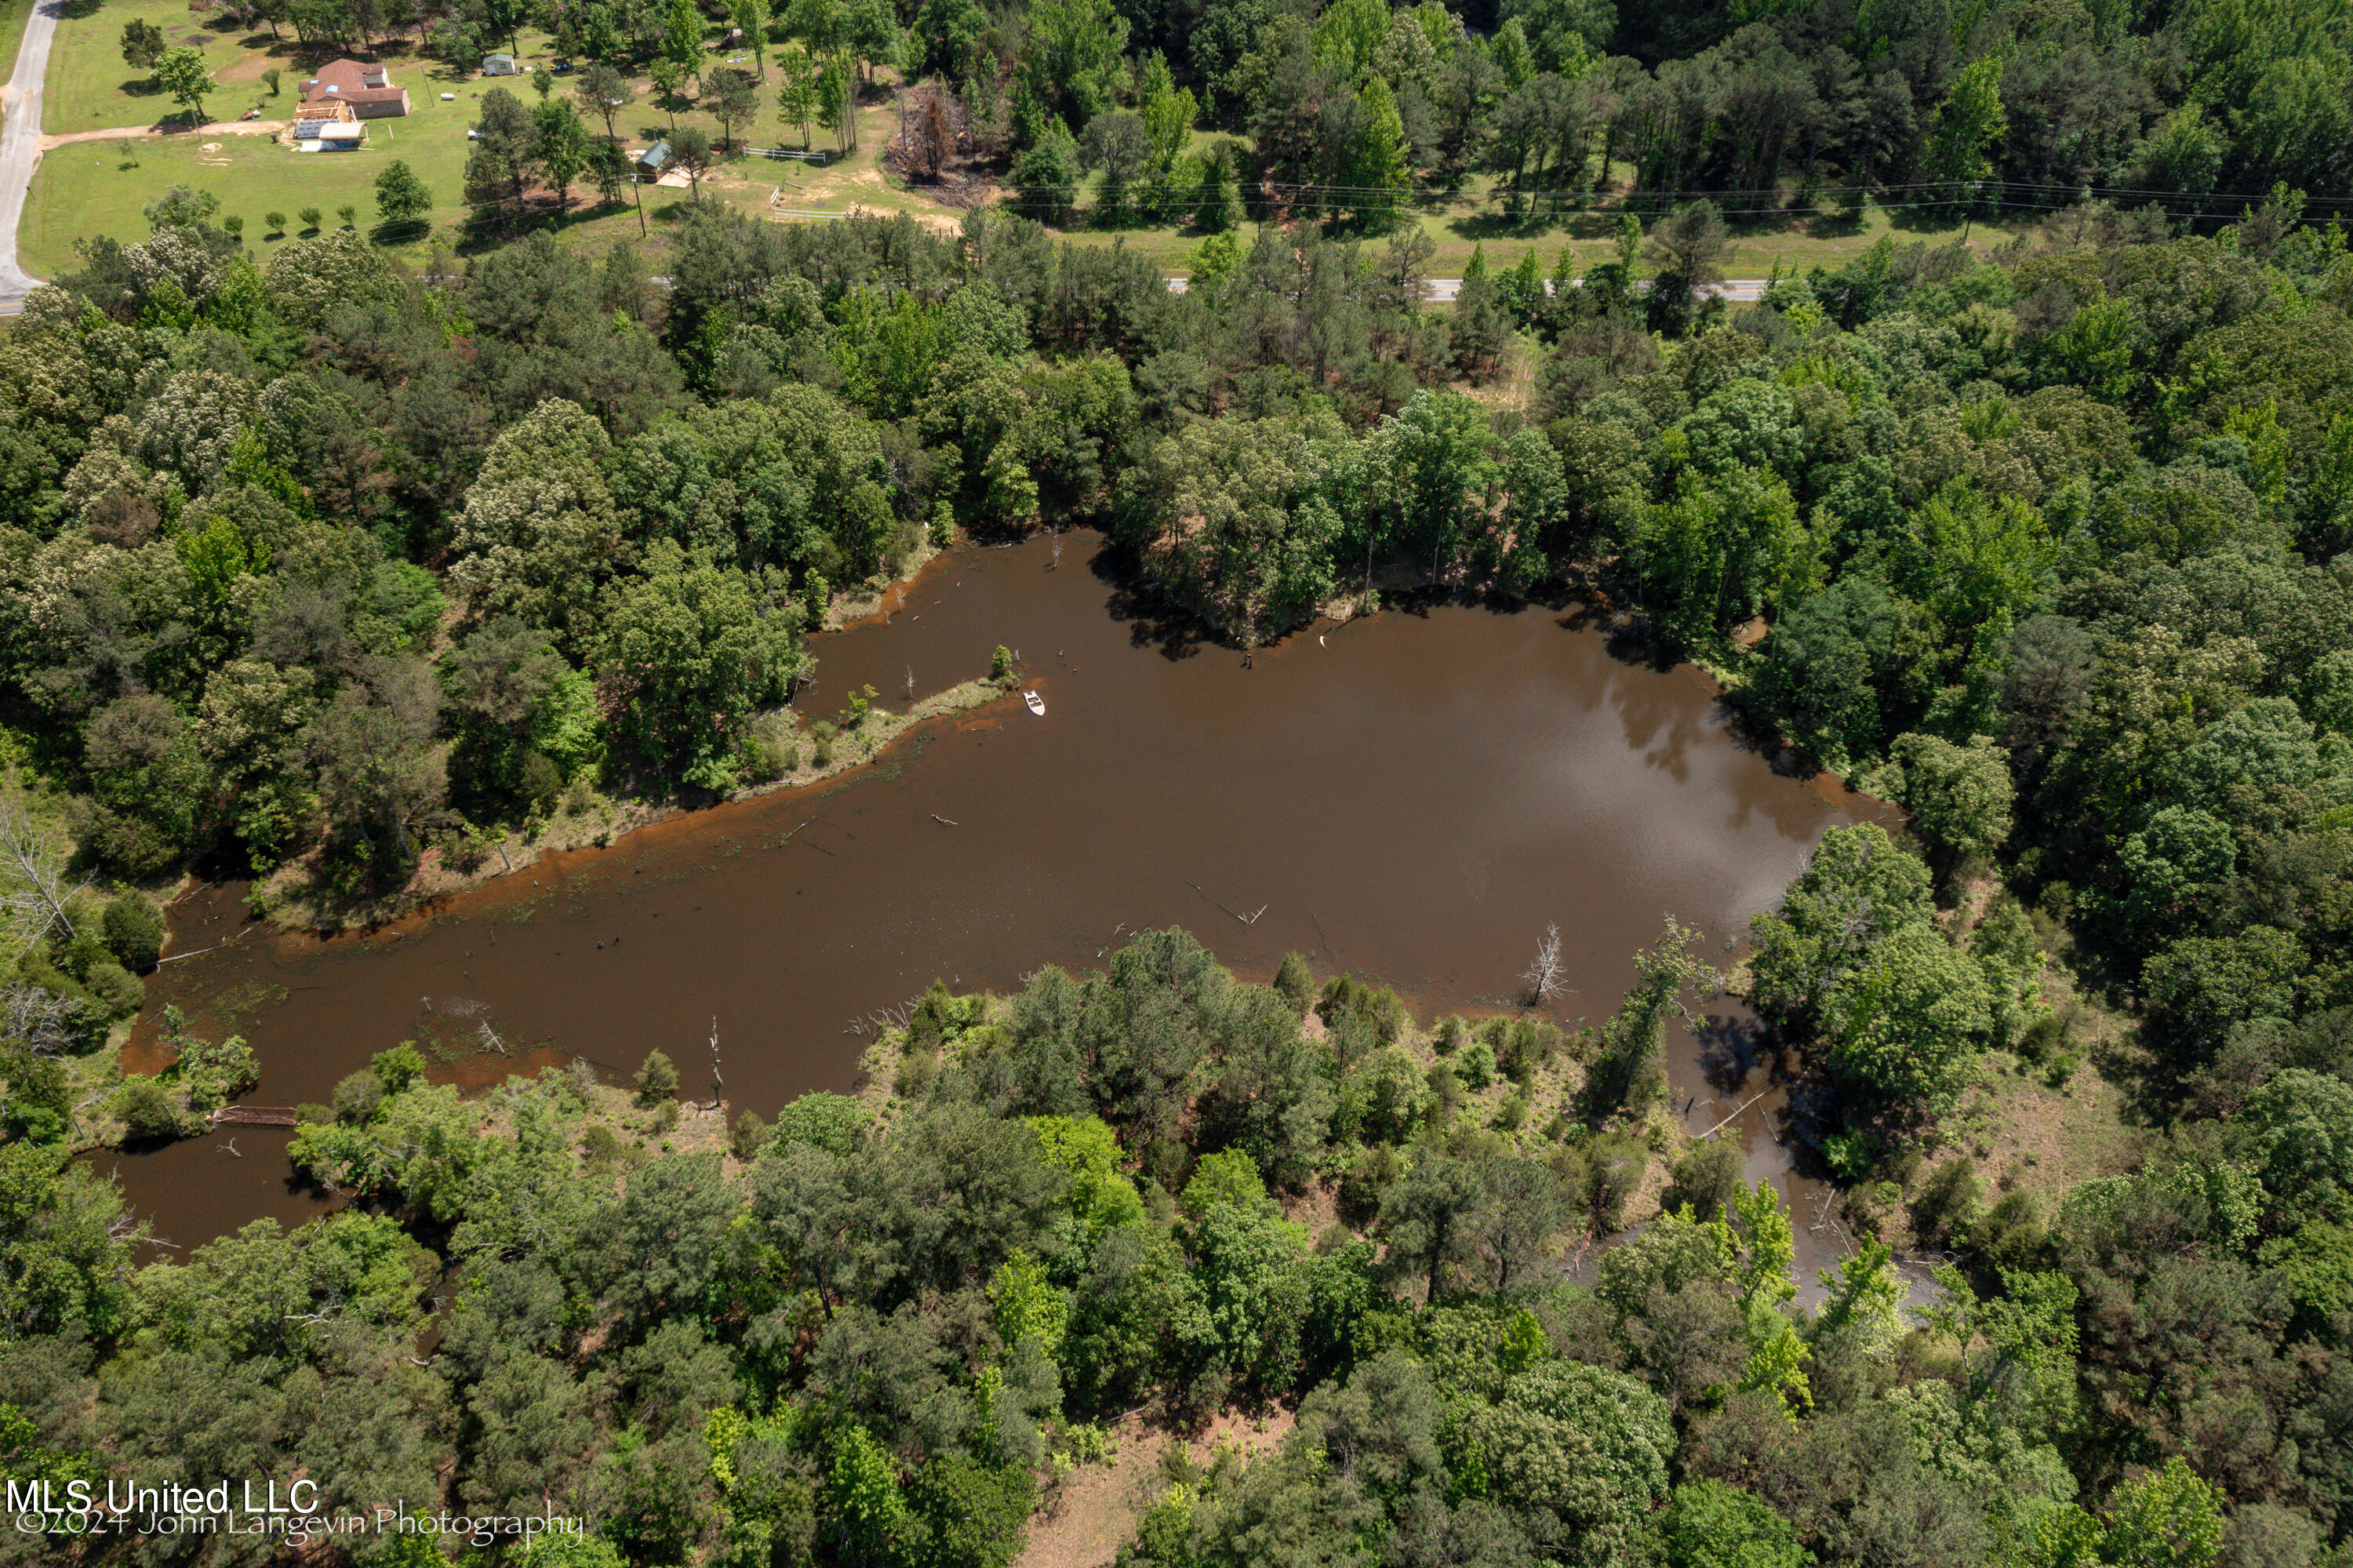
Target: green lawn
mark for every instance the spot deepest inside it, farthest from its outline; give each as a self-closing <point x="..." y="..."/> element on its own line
<point x="14" y="14"/>
<point x="89" y="88"/>
<point x="100" y="188"/>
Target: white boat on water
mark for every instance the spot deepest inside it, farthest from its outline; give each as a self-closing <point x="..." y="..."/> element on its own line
<point x="1036" y="704"/>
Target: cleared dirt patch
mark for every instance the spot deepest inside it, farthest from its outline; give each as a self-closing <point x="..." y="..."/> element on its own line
<point x="1096" y="1511"/>
<point x="2048" y="1140"/>
<point x="218" y="128"/>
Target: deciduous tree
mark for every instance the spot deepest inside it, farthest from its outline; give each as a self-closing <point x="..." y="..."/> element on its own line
<point x="182" y="72"/>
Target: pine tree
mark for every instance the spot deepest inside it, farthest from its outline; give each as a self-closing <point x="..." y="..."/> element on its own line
<point x="1167" y="112"/>
<point x="751" y="18"/>
<point x="1482" y="327"/>
<point x="1221" y="210"/>
<point x="837" y="103"/>
<point x="1523" y="288"/>
<point x="1380" y="168"/>
<point x="796" y="88"/>
<point x="682" y="34"/>
<point x="1970" y="121"/>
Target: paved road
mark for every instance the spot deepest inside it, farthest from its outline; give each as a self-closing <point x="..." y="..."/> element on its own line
<point x="20" y="147"/>
<point x="1738" y="291"/>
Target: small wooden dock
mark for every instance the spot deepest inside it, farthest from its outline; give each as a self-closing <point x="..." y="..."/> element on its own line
<point x="255" y="1116"/>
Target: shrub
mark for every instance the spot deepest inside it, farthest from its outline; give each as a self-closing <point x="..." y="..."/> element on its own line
<point x="216" y="1072"/>
<point x="2041" y="1040"/>
<point x="1090" y="1444"/>
<point x="134" y="931"/>
<point x="357" y="1096"/>
<point x="1375" y="1006"/>
<point x="603" y="1149"/>
<point x="146" y="1109"/>
<point x="1475" y="1065"/>
<point x="2014" y="1231"/>
<point x="117" y="989"/>
<point x="398" y="1067"/>
<point x="1848" y="1154"/>
<point x="1706" y="1177"/>
<point x="1948" y="1203"/>
<point x="1613" y="1169"/>
<point x="1521" y="1046"/>
<point x="1297" y="986"/>
<point x="657" y="1079"/>
<point x="834" y="1122"/>
<point x="465" y="849"/>
<point x="1445" y="1093"/>
<point x="767" y="758"/>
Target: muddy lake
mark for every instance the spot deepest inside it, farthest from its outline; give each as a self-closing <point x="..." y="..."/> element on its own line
<point x="1414" y="797"/>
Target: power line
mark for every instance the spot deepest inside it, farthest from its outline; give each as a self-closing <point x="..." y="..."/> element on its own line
<point x="1761" y="200"/>
<point x="1531" y="214"/>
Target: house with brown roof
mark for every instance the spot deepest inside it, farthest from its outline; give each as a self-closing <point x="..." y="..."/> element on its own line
<point x="367" y="89"/>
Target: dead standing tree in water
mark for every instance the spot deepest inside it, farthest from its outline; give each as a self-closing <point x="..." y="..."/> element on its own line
<point x="1547" y="975"/>
<point x="718" y="1083"/>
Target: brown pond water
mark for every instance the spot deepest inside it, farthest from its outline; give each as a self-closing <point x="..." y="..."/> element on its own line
<point x="1414" y="797"/>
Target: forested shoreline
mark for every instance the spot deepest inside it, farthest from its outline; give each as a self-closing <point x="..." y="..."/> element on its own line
<point x="891" y="1328"/>
<point x="316" y="566"/>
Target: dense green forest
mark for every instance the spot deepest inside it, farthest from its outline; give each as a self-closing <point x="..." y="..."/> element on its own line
<point x="326" y="565"/>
